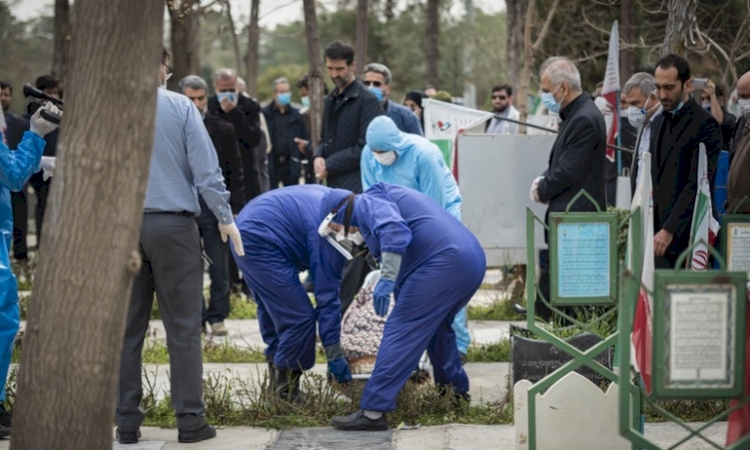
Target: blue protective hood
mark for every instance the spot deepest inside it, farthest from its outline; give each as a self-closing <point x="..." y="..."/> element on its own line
<point x="383" y="135"/>
<point x="330" y="201"/>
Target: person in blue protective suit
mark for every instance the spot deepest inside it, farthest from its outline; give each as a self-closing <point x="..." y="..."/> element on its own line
<point x="279" y="232"/>
<point x="392" y="156"/>
<point x="433" y="265"/>
<point x="16" y="167"/>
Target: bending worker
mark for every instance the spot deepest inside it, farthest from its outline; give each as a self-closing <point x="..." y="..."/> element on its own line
<point x="392" y="156"/>
<point x="279" y="232"/>
<point x="16" y="167"/>
<point x="433" y="265"/>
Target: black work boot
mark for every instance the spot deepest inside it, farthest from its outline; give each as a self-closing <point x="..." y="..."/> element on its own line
<point x="271" y="376"/>
<point x="287" y="385"/>
<point x="358" y="421"/>
<point x="128" y="437"/>
<point x="200" y="434"/>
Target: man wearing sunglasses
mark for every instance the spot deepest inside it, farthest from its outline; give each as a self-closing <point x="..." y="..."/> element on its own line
<point x="502" y="106"/>
<point x="377" y="79"/>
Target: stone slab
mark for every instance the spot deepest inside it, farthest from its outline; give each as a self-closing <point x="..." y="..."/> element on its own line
<point x="330" y="439"/>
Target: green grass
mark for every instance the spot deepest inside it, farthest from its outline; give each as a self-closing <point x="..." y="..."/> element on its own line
<point x="501" y="309"/>
<point x="214" y="352"/>
<point x="495" y="352"/>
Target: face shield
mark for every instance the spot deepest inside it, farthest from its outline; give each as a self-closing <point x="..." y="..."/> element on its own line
<point x="345" y="239"/>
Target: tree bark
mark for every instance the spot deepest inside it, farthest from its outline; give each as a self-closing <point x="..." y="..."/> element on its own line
<point x="680" y="25"/>
<point x="73" y="339"/>
<point x="627" y="55"/>
<point x="360" y="54"/>
<point x="253" y="44"/>
<point x="315" y="75"/>
<point x="235" y="42"/>
<point x="432" y="34"/>
<point x="61" y="56"/>
<point x="515" y="17"/>
<point x="390" y="5"/>
<point x="184" y="19"/>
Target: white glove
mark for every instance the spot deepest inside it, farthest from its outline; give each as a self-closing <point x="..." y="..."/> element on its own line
<point x="40" y="126"/>
<point x="48" y="166"/>
<point x="232" y="232"/>
<point x="534" y="192"/>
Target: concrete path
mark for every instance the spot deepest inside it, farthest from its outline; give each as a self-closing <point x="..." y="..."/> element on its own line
<point x="445" y="437"/>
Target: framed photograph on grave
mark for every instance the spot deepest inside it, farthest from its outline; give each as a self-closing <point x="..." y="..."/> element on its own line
<point x="583" y="258"/>
<point x="699" y="334"/>
<point x="735" y="241"/>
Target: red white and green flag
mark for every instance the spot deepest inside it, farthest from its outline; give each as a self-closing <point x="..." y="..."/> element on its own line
<point x="705" y="227"/>
<point x="611" y="91"/>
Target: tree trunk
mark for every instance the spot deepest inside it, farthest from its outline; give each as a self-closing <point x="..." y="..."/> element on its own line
<point x="71" y="349"/>
<point x="515" y="17"/>
<point x="235" y="42"/>
<point x="523" y="85"/>
<point x="315" y="75"/>
<point x="185" y="25"/>
<point x="390" y="5"/>
<point x="627" y="55"/>
<point x="253" y="44"/>
<point x="360" y="55"/>
<point x="432" y="34"/>
<point x="679" y="23"/>
<point x="62" y="41"/>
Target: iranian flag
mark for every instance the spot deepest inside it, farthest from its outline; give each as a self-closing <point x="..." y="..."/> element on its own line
<point x="642" y="336"/>
<point x="611" y="91"/>
<point x="705" y="228"/>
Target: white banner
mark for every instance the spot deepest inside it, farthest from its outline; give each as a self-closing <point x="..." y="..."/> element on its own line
<point x="443" y="121"/>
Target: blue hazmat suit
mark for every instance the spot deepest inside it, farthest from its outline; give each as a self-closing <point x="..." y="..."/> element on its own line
<point x="16" y="167"/>
<point x="442" y="266"/>
<point x="279" y="231"/>
<point x="419" y="166"/>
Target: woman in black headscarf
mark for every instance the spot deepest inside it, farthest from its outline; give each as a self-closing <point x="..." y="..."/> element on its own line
<point x="413" y="100"/>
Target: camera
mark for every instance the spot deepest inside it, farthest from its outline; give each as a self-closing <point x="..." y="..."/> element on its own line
<point x="40" y="97"/>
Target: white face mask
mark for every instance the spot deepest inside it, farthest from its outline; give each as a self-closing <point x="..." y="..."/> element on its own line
<point x="744" y="104"/>
<point x="636" y="116"/>
<point x="385" y="158"/>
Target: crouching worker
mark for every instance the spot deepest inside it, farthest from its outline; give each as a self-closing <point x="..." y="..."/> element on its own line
<point x="16" y="167"/>
<point x="433" y="265"/>
<point x="279" y="231"/>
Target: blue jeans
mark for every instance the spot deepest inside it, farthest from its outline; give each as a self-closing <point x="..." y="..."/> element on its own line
<point x="218" y="252"/>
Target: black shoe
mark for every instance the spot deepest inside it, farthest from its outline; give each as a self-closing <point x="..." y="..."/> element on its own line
<point x="287" y="385"/>
<point x="201" y="434"/>
<point x="357" y="421"/>
<point x="128" y="437"/>
<point x="5" y="417"/>
<point x="518" y="309"/>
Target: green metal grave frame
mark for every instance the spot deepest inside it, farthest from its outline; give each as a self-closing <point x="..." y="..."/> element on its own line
<point x="630" y="286"/>
<point x="579" y="358"/>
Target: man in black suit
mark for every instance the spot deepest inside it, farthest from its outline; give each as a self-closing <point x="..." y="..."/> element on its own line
<point x="576" y="161"/>
<point x="641" y="107"/>
<point x="16" y="127"/>
<point x="225" y="142"/>
<point x="674" y="162"/>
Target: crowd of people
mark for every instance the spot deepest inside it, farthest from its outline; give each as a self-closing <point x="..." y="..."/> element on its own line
<point x="373" y="189"/>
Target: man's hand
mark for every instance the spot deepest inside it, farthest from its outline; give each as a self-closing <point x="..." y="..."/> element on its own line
<point x="661" y="242"/>
<point x="228" y="105"/>
<point x="319" y="166"/>
<point x="301" y="144"/>
<point x="710" y="89"/>
<point x="534" y="191"/>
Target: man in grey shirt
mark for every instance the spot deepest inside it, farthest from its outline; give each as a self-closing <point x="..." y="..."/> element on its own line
<point x="183" y="165"/>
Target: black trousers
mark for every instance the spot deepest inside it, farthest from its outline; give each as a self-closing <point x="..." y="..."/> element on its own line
<point x="20" y="224"/>
<point x="355" y="272"/>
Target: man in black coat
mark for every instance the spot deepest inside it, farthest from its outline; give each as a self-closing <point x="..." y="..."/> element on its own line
<point x="577" y="159"/>
<point x="674" y="162"/>
<point x="288" y="132"/>
<point x="227" y="149"/>
<point x="16" y="127"/>
<point x="348" y="111"/>
<point x="244" y="114"/>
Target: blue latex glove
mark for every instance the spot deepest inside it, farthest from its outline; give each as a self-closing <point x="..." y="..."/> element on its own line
<point x="382" y="296"/>
<point x="339" y="368"/>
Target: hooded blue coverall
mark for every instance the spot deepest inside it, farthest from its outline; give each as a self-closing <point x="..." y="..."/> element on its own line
<point x="16" y="167"/>
<point x="442" y="266"/>
<point x="419" y="166"/>
<point x="279" y="231"/>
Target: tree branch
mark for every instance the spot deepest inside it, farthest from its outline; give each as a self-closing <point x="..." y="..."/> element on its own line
<point x="722" y="52"/>
<point x="545" y="27"/>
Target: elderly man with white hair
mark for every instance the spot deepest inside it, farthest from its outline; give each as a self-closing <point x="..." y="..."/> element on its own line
<point x="577" y="158"/>
<point x="643" y="109"/>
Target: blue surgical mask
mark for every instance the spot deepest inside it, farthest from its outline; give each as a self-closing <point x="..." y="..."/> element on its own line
<point x="549" y="102"/>
<point x="377" y="91"/>
<point x="284" y="98"/>
<point x="305" y="101"/>
<point x="228" y="95"/>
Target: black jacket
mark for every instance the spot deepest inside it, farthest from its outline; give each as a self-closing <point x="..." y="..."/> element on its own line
<point x="227" y="150"/>
<point x="577" y="159"/>
<point x="285" y="152"/>
<point x="343" y="134"/>
<point x="246" y="121"/>
<point x="653" y="138"/>
<point x="674" y="166"/>
<point x="17" y="126"/>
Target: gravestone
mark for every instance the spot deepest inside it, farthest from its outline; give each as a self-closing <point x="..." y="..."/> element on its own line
<point x="533" y="359"/>
<point x="332" y="439"/>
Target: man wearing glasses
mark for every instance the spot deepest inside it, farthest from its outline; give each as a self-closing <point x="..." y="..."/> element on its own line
<point x="502" y="106"/>
<point x="377" y="79"/>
